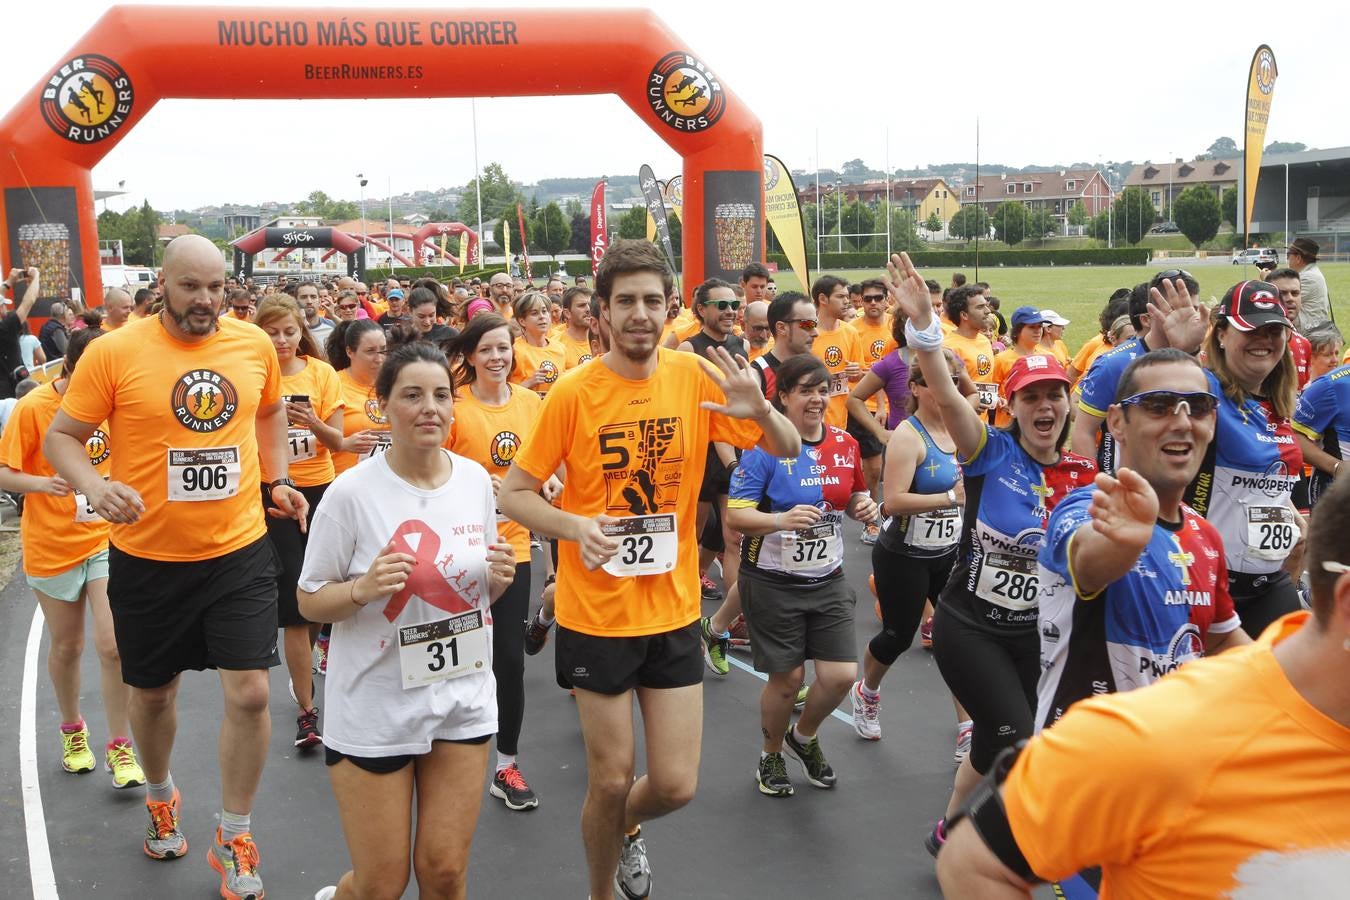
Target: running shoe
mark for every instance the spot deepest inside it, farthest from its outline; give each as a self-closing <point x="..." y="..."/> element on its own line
<point x="812" y="758"/>
<point x="866" y="714"/>
<point x="509" y="786"/>
<point x="740" y="632"/>
<point x="936" y="838"/>
<point x="800" y="702"/>
<point x="709" y="591"/>
<point x="536" y="634"/>
<point x="163" y="840"/>
<point x="121" y="762"/>
<point x="870" y="533"/>
<point x="76" y="757"/>
<point x="633" y="878"/>
<point x="326" y="893"/>
<point x="714" y="649"/>
<point x="237" y="863"/>
<point x="772" y="776"/>
<point x="964" y="732"/>
<point x="307" y="729"/>
<point x="926" y="634"/>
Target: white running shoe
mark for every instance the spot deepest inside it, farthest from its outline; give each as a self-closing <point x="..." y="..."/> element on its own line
<point x="866" y="714"/>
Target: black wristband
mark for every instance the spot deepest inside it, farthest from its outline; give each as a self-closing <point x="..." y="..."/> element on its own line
<point x="273" y="485"/>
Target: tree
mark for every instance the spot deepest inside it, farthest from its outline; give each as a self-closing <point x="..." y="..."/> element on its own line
<point x="573" y="208"/>
<point x="1228" y="206"/>
<point x="1010" y="222"/>
<point x="581" y="234"/>
<point x="1078" y="213"/>
<point x="633" y="224"/>
<point x="1041" y="222"/>
<point x="904" y="230"/>
<point x="1100" y="226"/>
<point x="934" y="222"/>
<point x="1224" y="146"/>
<point x="550" y="230"/>
<point x="859" y="219"/>
<point x="1197" y="214"/>
<point x="972" y="221"/>
<point x="676" y="234"/>
<point x="855" y="168"/>
<point x="499" y="195"/>
<point x="509" y="223"/>
<point x="1134" y="214"/>
<point x="1285" y="147"/>
<point x="322" y="206"/>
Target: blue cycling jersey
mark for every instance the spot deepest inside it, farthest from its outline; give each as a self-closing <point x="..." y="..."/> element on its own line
<point x="1323" y="412"/>
<point x="1141" y="626"/>
<point x="1245" y="483"/>
<point x="1097" y="390"/>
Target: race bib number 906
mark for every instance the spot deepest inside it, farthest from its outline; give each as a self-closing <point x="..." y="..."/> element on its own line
<point x="206" y="473"/>
<point x="647" y="545"/>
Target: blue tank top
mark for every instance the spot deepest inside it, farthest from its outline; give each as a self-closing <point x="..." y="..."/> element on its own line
<point x="932" y="533"/>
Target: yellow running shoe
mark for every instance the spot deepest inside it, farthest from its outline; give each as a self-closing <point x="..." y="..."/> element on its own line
<point x="75" y="753"/>
<point x="126" y="771"/>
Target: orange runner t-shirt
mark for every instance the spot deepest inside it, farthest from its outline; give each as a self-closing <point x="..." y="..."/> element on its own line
<point x="492" y="436"/>
<point x="549" y="361"/>
<point x="360" y="411"/>
<point x="58" y="533"/>
<point x="838" y="348"/>
<point x="574" y="352"/>
<point x="1221" y="780"/>
<point x="189" y="411"/>
<point x="631" y="448"/>
<point x="311" y="461"/>
<point x="876" y="342"/>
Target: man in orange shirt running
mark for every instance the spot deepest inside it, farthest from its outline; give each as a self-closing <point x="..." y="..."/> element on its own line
<point x="192" y="574"/>
<point x="632" y="428"/>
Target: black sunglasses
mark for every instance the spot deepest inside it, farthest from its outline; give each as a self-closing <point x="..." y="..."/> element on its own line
<point x="874" y="298"/>
<point x="723" y="305"/>
<point x="1162" y="403"/>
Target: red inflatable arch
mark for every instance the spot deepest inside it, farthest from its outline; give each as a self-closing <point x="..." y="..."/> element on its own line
<point x="135" y="56"/>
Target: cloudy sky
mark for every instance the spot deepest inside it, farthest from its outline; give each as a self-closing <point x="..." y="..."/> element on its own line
<point x="1051" y="82"/>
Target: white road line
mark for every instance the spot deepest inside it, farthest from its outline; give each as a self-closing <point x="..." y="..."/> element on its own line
<point x="847" y="720"/>
<point x="35" y="821"/>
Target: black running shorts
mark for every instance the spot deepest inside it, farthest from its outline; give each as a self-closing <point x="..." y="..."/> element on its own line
<point x="213" y="614"/>
<point x="613" y="665"/>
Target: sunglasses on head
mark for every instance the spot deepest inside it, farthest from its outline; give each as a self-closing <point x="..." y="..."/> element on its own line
<point x="1162" y="403"/>
<point x="723" y="305"/>
<point x="1170" y="274"/>
<point x="805" y="324"/>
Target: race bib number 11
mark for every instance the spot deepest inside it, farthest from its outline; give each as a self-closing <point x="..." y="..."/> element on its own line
<point x="647" y="545"/>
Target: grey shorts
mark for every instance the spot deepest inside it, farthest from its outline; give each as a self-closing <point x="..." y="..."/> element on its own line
<point x="790" y="624"/>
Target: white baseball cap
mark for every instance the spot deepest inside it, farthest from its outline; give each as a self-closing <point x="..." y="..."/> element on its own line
<point x="1053" y="317"/>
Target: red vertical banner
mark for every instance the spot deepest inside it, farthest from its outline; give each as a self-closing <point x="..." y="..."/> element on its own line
<point x="524" y="247"/>
<point x="599" y="232"/>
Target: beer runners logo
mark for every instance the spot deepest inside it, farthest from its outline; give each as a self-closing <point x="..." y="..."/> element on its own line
<point x="97" y="447"/>
<point x="504" y="448"/>
<point x="684" y="94"/>
<point x="548" y="371"/>
<point x="88" y="99"/>
<point x="834" y="356"/>
<point x="204" y="401"/>
<point x="1265" y="71"/>
<point x="770" y="174"/>
<point x="374" y="413"/>
<point x="983" y="364"/>
<point x="878" y="349"/>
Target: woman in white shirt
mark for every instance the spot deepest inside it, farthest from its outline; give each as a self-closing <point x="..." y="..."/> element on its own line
<point x="404" y="559"/>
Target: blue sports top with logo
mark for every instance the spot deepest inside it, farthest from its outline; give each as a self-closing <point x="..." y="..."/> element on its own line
<point x="932" y="533"/>
<point x="1097" y="390"/>
<point x="1009" y="497"/>
<point x="825" y="475"/>
<point x="1245" y="483"/>
<point x="1323" y="412"/>
<point x="1142" y="625"/>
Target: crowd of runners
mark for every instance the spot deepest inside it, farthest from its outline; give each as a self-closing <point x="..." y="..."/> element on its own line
<point x="367" y="480"/>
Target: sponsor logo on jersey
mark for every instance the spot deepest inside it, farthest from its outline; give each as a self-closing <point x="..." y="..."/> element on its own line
<point x="97" y="447"/>
<point x="203" y="400"/>
<point x="504" y="448"/>
<point x="374" y="413"/>
<point x="548" y="371"/>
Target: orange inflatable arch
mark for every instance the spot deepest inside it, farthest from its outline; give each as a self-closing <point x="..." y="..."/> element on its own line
<point x="135" y="56"/>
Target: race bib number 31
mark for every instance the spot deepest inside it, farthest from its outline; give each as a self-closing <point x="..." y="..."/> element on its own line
<point x="647" y="545"/>
<point x="205" y="473"/>
<point x="444" y="649"/>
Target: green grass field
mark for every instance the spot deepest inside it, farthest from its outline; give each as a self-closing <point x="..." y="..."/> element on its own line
<point x="1078" y="292"/>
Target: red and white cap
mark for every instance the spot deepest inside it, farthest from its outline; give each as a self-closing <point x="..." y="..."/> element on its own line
<point x="1249" y="305"/>
<point x="1032" y="369"/>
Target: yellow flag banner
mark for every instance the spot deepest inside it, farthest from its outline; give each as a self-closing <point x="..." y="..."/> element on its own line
<point x="506" y="243"/>
<point x="463" y="249"/>
<point x="785" y="216"/>
<point x="445" y="243"/>
<point x="673" y="193"/>
<point x="651" y="228"/>
<point x="1260" y="91"/>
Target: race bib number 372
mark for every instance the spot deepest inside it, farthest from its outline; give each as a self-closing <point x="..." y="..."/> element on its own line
<point x="647" y="545"/>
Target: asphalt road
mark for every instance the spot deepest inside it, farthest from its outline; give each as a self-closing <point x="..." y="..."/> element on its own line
<point x="862" y="839"/>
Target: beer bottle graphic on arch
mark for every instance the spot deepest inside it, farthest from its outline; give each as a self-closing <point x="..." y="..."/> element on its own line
<point x="642" y="463"/>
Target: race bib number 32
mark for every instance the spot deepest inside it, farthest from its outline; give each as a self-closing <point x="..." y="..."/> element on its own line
<point x="647" y="545"/>
<point x="205" y="473"/>
<point x="444" y="649"/>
